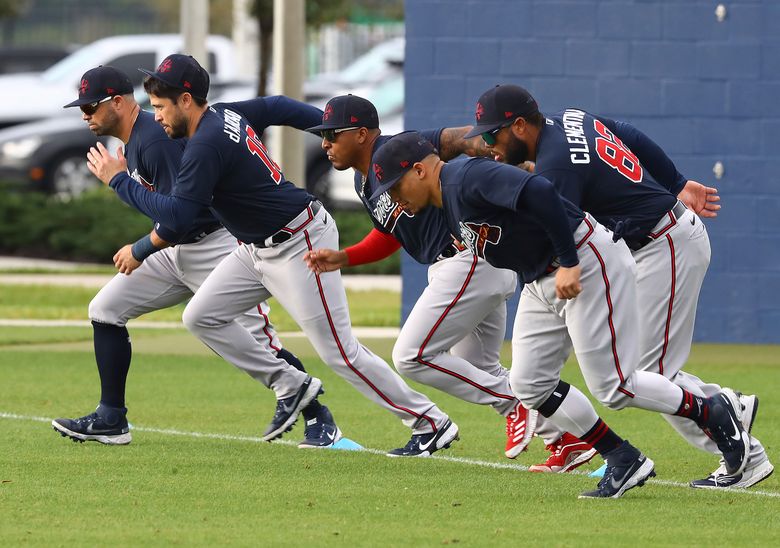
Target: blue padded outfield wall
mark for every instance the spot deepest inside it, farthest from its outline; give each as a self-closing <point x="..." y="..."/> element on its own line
<point x="706" y="91"/>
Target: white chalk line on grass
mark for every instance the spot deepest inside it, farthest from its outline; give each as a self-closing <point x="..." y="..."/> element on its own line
<point x="459" y="460"/>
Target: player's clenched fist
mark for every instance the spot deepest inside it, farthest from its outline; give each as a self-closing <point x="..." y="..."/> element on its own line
<point x="567" y="282"/>
<point x="124" y="260"/>
<point x="325" y="260"/>
<point x="103" y="165"/>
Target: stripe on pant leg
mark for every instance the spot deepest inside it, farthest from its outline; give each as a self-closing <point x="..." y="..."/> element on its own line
<point x="419" y="358"/>
<point x="344" y="355"/>
<point x="671" y="304"/>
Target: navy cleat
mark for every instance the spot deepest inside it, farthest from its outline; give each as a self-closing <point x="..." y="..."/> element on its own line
<point x="321" y="431"/>
<point x="724" y="427"/>
<point x="758" y="469"/>
<point x="424" y="445"/>
<point x="107" y="425"/>
<point x="747" y="408"/>
<point x="288" y="409"/>
<point x="626" y="468"/>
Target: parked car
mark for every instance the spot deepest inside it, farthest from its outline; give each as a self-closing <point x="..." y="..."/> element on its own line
<point x="49" y="155"/>
<point x="384" y="61"/>
<point x="29" y="58"/>
<point x="34" y="96"/>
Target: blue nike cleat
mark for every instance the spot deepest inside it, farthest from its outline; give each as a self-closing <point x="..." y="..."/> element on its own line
<point x="424" y="445"/>
<point x="626" y="468"/>
<point x="724" y="427"/>
<point x="107" y="425"/>
<point x="288" y="409"/>
<point x="321" y="431"/>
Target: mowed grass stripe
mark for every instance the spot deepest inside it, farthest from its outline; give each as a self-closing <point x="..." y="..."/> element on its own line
<point x="459" y="460"/>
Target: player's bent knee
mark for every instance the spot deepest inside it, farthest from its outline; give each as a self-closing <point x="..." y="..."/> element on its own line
<point x="404" y="360"/>
<point x="196" y="318"/>
<point x="101" y="311"/>
<point x="532" y="393"/>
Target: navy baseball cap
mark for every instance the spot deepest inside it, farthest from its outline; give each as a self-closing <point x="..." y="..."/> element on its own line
<point x="393" y="159"/>
<point x="101" y="82"/>
<point x="182" y="72"/>
<point x="347" y="111"/>
<point x="501" y="105"/>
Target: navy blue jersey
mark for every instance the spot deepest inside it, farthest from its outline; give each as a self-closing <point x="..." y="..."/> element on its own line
<point x="153" y="161"/>
<point x="226" y="167"/>
<point x="425" y="235"/>
<point x="590" y="163"/>
<point x="509" y="217"/>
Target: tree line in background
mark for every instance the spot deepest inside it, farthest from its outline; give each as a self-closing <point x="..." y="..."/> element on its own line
<point x="93" y="226"/>
<point x="58" y="22"/>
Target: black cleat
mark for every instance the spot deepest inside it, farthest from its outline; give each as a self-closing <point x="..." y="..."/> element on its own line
<point x="106" y="425"/>
<point x="424" y="445"/>
<point x="321" y="431"/>
<point x="626" y="468"/>
<point x="724" y="427"/>
<point x="288" y="409"/>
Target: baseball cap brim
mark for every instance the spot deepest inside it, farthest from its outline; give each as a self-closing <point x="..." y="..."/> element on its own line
<point x="85" y="101"/>
<point x="480" y="129"/>
<point x="323" y="127"/>
<point x="384" y="187"/>
<point x="158" y="76"/>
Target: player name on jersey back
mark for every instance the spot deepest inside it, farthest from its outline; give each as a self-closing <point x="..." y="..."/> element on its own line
<point x="575" y="136"/>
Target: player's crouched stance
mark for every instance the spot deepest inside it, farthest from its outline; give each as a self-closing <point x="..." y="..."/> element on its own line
<point x="579" y="286"/>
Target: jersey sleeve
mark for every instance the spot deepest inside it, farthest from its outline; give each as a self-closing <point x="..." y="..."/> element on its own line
<point x="652" y="156"/>
<point x="540" y="200"/>
<point x="434" y="136"/>
<point x="277" y="110"/>
<point x="173" y="212"/>
<point x="200" y="168"/>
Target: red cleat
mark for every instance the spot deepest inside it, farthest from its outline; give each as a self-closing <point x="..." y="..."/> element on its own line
<point x="520" y="428"/>
<point x="568" y="453"/>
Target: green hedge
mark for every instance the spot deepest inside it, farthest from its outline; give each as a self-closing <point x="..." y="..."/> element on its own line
<point x="92" y="227"/>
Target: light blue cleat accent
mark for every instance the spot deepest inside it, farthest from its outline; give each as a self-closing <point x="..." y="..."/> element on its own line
<point x="598" y="473"/>
<point x="347" y="444"/>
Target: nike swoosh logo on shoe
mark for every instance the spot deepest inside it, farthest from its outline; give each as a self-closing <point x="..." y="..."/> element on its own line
<point x="427" y="445"/>
<point x="736" y="435"/>
<point x="615" y="484"/>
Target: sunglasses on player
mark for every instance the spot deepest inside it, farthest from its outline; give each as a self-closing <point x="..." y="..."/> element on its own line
<point x="330" y="134"/>
<point x="490" y="136"/>
<point x="91" y="108"/>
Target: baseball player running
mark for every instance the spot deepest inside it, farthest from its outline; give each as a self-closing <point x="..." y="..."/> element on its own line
<point x="626" y="181"/>
<point x="226" y="167"/>
<point x="452" y="337"/>
<point x="517" y="220"/>
<point x="167" y="277"/>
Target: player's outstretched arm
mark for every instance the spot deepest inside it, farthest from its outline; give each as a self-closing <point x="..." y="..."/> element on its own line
<point x="702" y="200"/>
<point x="452" y="144"/>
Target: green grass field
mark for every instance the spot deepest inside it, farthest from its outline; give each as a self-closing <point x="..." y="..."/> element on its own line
<point x="195" y="473"/>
